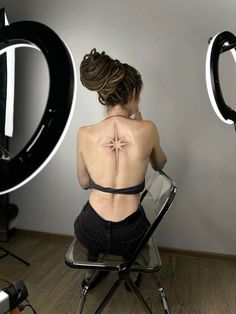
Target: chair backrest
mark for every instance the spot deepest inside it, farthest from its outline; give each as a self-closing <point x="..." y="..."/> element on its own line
<point x="156" y="199"/>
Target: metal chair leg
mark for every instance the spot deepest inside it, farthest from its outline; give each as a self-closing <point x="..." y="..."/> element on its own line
<point x="164" y="301"/>
<point x="108" y="297"/>
<point x="138" y="295"/>
<point x="163" y="296"/>
<point x="85" y="291"/>
<point x="82" y="300"/>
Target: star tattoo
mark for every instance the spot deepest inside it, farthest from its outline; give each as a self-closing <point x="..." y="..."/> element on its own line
<point x="116" y="144"/>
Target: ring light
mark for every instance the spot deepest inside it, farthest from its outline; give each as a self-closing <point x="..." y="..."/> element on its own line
<point x="220" y="43"/>
<point x="16" y="171"/>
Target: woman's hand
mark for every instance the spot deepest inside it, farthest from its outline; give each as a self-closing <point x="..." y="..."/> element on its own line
<point x="138" y="115"/>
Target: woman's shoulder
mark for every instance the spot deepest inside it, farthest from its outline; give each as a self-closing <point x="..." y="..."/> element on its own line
<point x="148" y="123"/>
<point x="85" y="129"/>
<point x="82" y="134"/>
<point x="145" y="125"/>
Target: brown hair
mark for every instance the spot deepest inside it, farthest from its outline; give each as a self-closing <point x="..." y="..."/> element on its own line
<point x="114" y="81"/>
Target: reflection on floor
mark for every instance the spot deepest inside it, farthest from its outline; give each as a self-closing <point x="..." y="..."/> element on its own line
<point x="197" y="285"/>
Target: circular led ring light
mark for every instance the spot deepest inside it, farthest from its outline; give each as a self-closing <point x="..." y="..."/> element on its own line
<point x="60" y="104"/>
<point x="221" y="42"/>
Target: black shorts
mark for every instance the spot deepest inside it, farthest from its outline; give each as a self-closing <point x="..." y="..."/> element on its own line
<point x="102" y="236"/>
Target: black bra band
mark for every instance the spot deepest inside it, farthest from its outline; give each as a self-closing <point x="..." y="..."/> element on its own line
<point x="129" y="190"/>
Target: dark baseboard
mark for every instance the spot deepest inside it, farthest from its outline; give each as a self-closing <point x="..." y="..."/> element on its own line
<point x="202" y="254"/>
<point x="44" y="235"/>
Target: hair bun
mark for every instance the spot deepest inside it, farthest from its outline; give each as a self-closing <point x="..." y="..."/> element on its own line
<point x="99" y="72"/>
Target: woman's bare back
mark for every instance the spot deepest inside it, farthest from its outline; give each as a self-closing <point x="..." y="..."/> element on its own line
<point x="116" y="154"/>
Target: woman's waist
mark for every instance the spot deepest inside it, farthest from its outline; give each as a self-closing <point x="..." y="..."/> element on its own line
<point x="114" y="207"/>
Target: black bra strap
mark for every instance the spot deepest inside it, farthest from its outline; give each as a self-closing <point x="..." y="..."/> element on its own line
<point x="129" y="190"/>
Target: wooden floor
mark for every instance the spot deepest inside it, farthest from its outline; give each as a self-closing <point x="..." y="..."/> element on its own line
<point x="193" y="284"/>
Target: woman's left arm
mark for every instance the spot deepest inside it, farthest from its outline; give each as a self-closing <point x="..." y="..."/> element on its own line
<point x="82" y="172"/>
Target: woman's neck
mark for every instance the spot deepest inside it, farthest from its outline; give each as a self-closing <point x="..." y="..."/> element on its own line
<point x="118" y="111"/>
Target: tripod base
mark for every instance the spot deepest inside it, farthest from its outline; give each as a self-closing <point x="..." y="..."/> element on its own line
<point x="7" y="252"/>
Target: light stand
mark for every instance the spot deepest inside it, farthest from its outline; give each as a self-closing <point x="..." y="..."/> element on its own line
<point x="7" y="252"/>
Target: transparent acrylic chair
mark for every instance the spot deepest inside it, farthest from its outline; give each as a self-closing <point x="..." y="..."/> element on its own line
<point x="156" y="199"/>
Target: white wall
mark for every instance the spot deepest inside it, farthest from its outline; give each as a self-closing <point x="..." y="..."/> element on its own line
<point x="167" y="42"/>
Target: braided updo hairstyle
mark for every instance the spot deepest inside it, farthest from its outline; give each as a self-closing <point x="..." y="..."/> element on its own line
<point x="114" y="81"/>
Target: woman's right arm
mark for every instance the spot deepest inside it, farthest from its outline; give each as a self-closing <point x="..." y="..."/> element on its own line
<point x="157" y="158"/>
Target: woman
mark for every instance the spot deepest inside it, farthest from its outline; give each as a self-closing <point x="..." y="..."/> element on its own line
<point x="112" y="159"/>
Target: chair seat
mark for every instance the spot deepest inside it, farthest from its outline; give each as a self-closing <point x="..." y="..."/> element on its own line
<point x="147" y="261"/>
